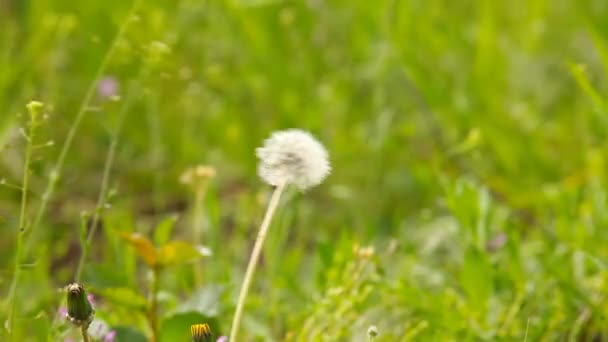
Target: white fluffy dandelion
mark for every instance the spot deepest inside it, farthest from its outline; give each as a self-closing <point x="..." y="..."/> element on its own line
<point x="287" y="157"/>
<point x="293" y="157"/>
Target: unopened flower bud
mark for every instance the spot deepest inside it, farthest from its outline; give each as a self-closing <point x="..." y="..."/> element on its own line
<point x="197" y="175"/>
<point x="80" y="310"/>
<point x="372" y="332"/>
<point x="201" y="333"/>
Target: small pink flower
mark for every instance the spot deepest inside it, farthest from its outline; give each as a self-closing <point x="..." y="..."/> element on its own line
<point x="110" y="336"/>
<point x="222" y="339"/>
<point x="91" y="299"/>
<point x="63" y="312"/>
<point x="108" y="87"/>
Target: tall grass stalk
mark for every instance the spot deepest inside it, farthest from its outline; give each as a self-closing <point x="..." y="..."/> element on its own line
<point x="253" y="260"/>
<point x="101" y="199"/>
<point x="34" y="109"/>
<point x="57" y="168"/>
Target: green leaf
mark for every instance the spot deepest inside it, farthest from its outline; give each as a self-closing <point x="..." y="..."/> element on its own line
<point x="178" y="252"/>
<point x="163" y="230"/>
<point x="104" y="275"/>
<point x="205" y="300"/>
<point x="177" y="327"/>
<point x="124" y="333"/>
<point x="476" y="278"/>
<point x="42" y="322"/>
<point x="124" y="296"/>
<point x="143" y="247"/>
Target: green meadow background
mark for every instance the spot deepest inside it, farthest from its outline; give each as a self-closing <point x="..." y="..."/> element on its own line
<point x="467" y="201"/>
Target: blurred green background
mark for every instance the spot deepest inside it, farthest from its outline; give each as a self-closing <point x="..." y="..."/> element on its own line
<point x="467" y="140"/>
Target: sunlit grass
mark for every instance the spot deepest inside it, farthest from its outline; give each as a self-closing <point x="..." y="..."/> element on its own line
<point x="467" y="199"/>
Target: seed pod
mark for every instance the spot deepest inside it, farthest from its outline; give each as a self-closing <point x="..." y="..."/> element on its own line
<point x="80" y="310"/>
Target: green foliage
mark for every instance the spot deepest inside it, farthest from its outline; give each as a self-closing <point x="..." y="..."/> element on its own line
<point x="128" y="334"/>
<point x="124" y="297"/>
<point x="467" y="142"/>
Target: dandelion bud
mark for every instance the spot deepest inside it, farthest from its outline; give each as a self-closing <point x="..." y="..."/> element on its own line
<point x="34" y="107"/>
<point x="80" y="310"/>
<point x="197" y="175"/>
<point x="366" y="252"/>
<point x="293" y="157"/>
<point x="372" y="332"/>
<point x="201" y="332"/>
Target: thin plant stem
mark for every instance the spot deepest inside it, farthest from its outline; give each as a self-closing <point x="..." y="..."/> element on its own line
<point x="154" y="133"/>
<point x="12" y="312"/>
<point x="85" y="335"/>
<point x="197" y="222"/>
<point x="67" y="144"/>
<point x="153" y="312"/>
<point x="253" y="260"/>
<point x="103" y="190"/>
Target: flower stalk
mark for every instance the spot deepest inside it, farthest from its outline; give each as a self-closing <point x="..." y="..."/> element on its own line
<point x="253" y="260"/>
<point x="85" y="334"/>
<point x="35" y="113"/>
<point x="153" y="298"/>
<point x="198" y="179"/>
<point x="288" y="157"/>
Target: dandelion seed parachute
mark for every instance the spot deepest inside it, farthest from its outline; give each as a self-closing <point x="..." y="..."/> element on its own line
<point x="293" y="157"/>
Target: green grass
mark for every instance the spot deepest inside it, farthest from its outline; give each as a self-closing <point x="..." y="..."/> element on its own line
<point x="468" y="147"/>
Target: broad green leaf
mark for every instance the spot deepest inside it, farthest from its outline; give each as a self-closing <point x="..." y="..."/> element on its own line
<point x="177" y="252"/>
<point x="163" y="230"/>
<point x="143" y="247"/>
<point x="476" y="278"/>
<point x="130" y="334"/>
<point x="104" y="275"/>
<point x="125" y="297"/>
<point x="43" y="327"/>
<point x="205" y="300"/>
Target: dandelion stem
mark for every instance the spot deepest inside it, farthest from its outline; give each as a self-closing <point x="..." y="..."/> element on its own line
<point x="253" y="260"/>
<point x="85" y="335"/>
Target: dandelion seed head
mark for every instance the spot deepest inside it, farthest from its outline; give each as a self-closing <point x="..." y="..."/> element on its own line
<point x="293" y="157"/>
